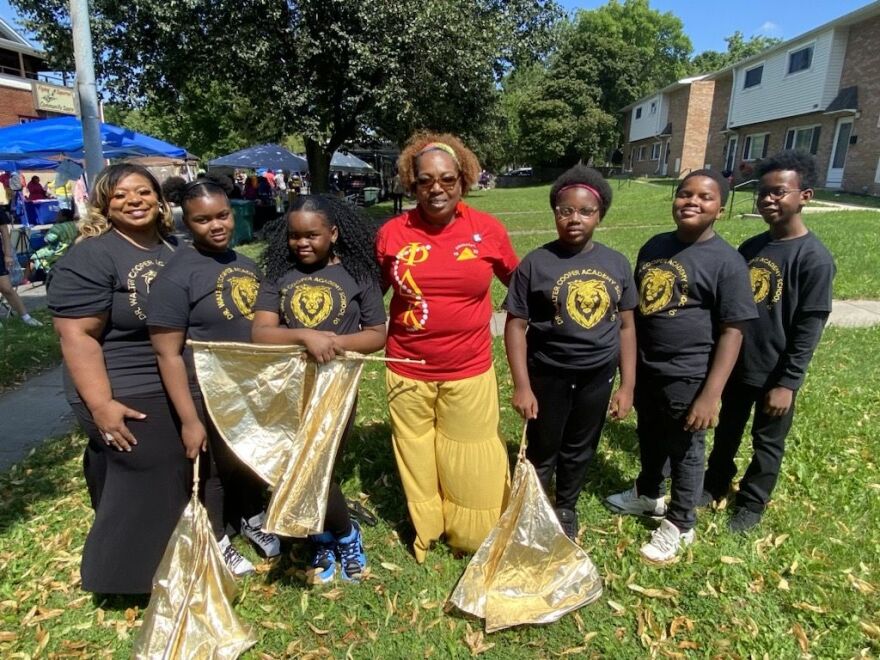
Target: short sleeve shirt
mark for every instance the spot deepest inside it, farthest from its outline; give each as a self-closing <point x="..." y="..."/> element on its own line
<point x="328" y="299"/>
<point x="209" y="295"/>
<point x="788" y="278"/>
<point x="572" y="303"/>
<point x="109" y="275"/>
<point x="441" y="279"/>
<point x="686" y="291"/>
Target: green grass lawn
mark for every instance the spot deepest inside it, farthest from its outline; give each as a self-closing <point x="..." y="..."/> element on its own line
<point x="807" y="582"/>
<point x="25" y="350"/>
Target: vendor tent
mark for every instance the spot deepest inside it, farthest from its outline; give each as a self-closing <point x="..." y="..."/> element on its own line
<point x="272" y="156"/>
<point x="31" y="164"/>
<point x="63" y="136"/>
<point x="342" y="162"/>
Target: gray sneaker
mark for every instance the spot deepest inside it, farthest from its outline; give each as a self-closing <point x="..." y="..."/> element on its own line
<point x="268" y="544"/>
<point x="630" y="503"/>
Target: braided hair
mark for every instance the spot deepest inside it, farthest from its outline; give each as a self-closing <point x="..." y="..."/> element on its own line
<point x="178" y="191"/>
<point x="354" y="244"/>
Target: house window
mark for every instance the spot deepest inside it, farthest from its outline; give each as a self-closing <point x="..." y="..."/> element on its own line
<point x="877" y="172"/>
<point x="804" y="138"/>
<point x="755" y="146"/>
<point x="800" y="60"/>
<point x="753" y="76"/>
<point x="655" y="151"/>
<point x="642" y="152"/>
<point x="653" y="107"/>
<point x="639" y="112"/>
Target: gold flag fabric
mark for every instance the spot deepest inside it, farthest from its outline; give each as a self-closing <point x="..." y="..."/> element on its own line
<point x="527" y="570"/>
<point x="190" y="615"/>
<point x="284" y="416"/>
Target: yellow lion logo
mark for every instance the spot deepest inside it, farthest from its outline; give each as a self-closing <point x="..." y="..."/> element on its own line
<point x="311" y="304"/>
<point x="656" y="290"/>
<point x="760" y="283"/>
<point x="244" y="294"/>
<point x="587" y="302"/>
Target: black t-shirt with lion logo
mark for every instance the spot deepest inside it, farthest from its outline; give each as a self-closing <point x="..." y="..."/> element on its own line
<point x="109" y="275"/>
<point x="326" y="299"/>
<point x="686" y="291"/>
<point x="572" y="303"/>
<point x="210" y="295"/>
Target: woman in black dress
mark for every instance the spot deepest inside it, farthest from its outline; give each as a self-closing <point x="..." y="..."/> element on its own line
<point x="136" y="467"/>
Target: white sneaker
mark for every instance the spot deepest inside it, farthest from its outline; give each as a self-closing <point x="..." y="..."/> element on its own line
<point x="630" y="503"/>
<point x="252" y="530"/>
<point x="237" y="562"/>
<point x="665" y="543"/>
<point x="31" y="321"/>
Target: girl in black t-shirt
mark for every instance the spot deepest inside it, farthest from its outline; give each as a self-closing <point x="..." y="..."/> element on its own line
<point x="321" y="291"/>
<point x="136" y="468"/>
<point x="207" y="292"/>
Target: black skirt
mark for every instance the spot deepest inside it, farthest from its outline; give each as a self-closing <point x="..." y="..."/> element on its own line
<point x="137" y="496"/>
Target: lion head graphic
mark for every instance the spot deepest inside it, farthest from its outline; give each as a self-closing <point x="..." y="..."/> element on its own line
<point x="244" y="294"/>
<point x="656" y="290"/>
<point x="760" y="283"/>
<point x="587" y="302"/>
<point x="311" y="304"/>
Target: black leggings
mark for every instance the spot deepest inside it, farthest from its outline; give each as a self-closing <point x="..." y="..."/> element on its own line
<point x="336" y="520"/>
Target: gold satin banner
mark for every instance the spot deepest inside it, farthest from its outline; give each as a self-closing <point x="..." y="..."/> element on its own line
<point x="284" y="417"/>
<point x="190" y="615"/>
<point x="527" y="570"/>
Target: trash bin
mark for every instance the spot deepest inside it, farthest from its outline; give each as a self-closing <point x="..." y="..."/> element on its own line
<point x="243" y="211"/>
<point x="371" y="196"/>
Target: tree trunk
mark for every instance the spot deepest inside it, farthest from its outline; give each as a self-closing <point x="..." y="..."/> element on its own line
<point x="319" y="165"/>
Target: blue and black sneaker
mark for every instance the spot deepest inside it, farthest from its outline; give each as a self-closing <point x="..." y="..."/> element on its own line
<point x="351" y="555"/>
<point x="322" y="567"/>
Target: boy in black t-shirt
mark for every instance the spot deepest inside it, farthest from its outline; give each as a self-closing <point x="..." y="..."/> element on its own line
<point x="791" y="273"/>
<point x="694" y="298"/>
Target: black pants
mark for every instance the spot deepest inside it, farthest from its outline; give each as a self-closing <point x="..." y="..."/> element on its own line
<point x="138" y="497"/>
<point x="571" y="413"/>
<point x="336" y="519"/>
<point x="397" y="198"/>
<point x="768" y="444"/>
<point x="662" y="406"/>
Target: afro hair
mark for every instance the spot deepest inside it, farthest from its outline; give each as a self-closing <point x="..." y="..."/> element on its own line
<point x="794" y="160"/>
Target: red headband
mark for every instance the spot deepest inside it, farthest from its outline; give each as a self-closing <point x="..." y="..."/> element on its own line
<point x="585" y="187"/>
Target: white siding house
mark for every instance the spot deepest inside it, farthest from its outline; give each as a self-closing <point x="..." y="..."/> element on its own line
<point x="648" y="117"/>
<point x="797" y="78"/>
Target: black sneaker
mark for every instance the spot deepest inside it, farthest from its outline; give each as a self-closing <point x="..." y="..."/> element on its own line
<point x="568" y="520"/>
<point x="705" y="500"/>
<point x="743" y="520"/>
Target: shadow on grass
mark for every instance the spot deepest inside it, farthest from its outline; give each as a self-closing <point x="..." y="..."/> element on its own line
<point x="43" y="475"/>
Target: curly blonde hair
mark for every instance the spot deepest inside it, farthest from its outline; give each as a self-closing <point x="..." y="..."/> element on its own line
<point x="468" y="165"/>
<point x="97" y="221"/>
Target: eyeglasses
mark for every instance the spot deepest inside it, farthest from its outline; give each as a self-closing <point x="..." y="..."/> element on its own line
<point x="447" y="182"/>
<point x="776" y="193"/>
<point x="565" y="212"/>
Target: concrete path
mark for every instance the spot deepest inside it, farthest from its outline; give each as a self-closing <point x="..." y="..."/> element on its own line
<point x="35" y="412"/>
<point x="38" y="411"/>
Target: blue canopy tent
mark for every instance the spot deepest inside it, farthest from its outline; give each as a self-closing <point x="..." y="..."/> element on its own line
<point x="272" y="156"/>
<point x="38" y="164"/>
<point x="342" y="162"/>
<point x="63" y="136"/>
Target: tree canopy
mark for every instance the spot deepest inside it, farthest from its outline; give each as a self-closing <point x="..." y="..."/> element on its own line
<point x="328" y="70"/>
<point x="738" y="48"/>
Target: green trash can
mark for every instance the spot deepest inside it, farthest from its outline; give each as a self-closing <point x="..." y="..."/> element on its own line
<point x="243" y="211"/>
<point x="371" y="196"/>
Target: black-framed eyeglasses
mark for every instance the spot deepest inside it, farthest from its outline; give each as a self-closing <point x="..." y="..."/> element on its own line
<point x="564" y="212"/>
<point x="776" y="193"/>
<point x="447" y="181"/>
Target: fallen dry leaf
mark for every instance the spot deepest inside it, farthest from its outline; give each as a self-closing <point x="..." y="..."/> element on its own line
<point x="316" y="630"/>
<point x="860" y="585"/>
<point x="388" y="566"/>
<point x="783" y="584"/>
<point x="801" y="637"/>
<point x="475" y="642"/>
<point x="617" y="607"/>
<point x="779" y="540"/>
<point x="653" y="593"/>
<point x="8" y="636"/>
<point x="809" y="607"/>
<point x="731" y="560"/>
<point x="334" y="594"/>
<point x="870" y="629"/>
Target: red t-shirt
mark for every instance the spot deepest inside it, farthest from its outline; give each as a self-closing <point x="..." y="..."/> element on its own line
<point x="441" y="277"/>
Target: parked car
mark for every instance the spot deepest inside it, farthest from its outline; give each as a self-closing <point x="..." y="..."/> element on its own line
<point x="522" y="171"/>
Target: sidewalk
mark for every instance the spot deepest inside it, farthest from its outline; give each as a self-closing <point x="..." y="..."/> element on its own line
<point x="39" y="410"/>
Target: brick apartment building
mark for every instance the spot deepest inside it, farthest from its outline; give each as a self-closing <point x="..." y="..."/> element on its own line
<point x="25" y="90"/>
<point x="819" y="92"/>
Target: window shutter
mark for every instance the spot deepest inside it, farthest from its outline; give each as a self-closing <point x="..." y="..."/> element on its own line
<point x="814" y="144"/>
<point x="746" y="146"/>
<point x="789" y="138"/>
<point x="766" y="145"/>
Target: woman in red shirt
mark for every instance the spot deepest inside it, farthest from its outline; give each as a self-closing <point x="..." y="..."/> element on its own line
<point x="439" y="259"/>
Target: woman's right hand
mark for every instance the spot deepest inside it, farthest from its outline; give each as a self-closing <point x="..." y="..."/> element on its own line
<point x="525" y="403"/>
<point x="195" y="438"/>
<point x="320" y="345"/>
<point x="110" y="420"/>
